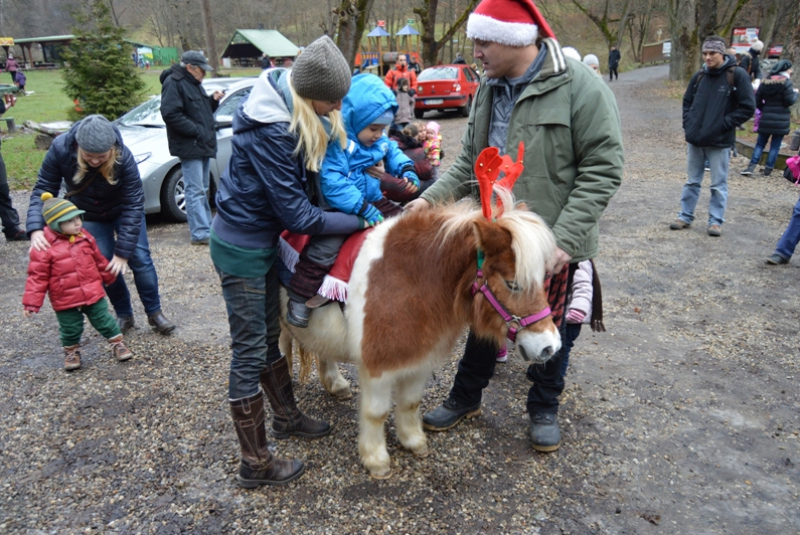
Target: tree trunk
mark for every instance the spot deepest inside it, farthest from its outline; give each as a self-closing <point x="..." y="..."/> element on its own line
<point x="685" y="56"/>
<point x="211" y="41"/>
<point x="768" y="25"/>
<point x="352" y="21"/>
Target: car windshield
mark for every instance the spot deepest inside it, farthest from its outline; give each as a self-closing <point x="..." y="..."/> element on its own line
<point x="147" y="114"/>
<point x="440" y="73"/>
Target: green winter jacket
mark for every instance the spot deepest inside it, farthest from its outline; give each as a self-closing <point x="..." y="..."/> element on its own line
<point x="569" y="121"/>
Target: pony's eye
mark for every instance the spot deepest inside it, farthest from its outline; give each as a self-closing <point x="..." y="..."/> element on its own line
<point x="512" y="286"/>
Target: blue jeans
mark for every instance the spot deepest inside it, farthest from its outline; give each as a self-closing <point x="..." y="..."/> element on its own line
<point x="141" y="264"/>
<point x="774" y="149"/>
<point x="791" y="236"/>
<point x="198" y="212"/>
<point x="254" y="318"/>
<point x="696" y="158"/>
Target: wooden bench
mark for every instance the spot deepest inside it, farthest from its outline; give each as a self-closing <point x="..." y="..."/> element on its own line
<point x="10" y="124"/>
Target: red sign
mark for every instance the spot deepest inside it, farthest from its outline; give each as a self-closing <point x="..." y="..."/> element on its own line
<point x="775" y="51"/>
<point x="382" y="23"/>
<point x="742" y="37"/>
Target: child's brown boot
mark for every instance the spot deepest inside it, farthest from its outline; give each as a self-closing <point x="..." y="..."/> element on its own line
<point x="121" y="353"/>
<point x="72" y="357"/>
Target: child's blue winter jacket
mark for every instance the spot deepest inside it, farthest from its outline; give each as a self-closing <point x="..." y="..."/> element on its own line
<point x="344" y="184"/>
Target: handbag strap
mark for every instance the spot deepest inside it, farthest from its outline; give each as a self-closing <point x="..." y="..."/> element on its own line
<point x="85" y="185"/>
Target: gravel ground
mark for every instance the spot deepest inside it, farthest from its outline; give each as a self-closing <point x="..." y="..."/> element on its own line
<point x="683" y="418"/>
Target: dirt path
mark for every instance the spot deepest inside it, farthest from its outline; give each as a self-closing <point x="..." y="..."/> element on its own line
<point x="682" y="419"/>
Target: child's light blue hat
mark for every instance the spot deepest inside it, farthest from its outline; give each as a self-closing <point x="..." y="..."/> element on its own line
<point x="384" y="118"/>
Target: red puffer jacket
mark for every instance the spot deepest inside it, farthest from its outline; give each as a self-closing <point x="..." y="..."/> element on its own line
<point x="73" y="273"/>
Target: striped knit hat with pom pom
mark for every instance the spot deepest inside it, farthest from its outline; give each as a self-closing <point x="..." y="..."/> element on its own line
<point x="56" y="210"/>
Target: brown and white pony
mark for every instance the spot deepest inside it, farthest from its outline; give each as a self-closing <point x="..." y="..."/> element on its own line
<point x="415" y="285"/>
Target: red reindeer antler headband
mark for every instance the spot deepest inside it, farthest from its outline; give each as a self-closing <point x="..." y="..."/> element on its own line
<point x="488" y="166"/>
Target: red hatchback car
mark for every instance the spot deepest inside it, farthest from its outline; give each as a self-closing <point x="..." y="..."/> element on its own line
<point x="446" y="87"/>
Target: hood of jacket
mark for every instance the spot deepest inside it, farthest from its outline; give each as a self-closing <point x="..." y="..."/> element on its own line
<point x="177" y="73"/>
<point x="267" y="103"/>
<point x="367" y="99"/>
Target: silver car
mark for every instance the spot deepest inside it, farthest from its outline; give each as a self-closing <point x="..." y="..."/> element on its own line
<point x="145" y="134"/>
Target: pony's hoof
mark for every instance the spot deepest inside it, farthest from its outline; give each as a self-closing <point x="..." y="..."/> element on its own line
<point x="342" y="393"/>
<point x="382" y="473"/>
<point x="421" y="452"/>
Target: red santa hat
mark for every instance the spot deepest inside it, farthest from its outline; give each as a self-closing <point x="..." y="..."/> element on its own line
<point x="508" y="22"/>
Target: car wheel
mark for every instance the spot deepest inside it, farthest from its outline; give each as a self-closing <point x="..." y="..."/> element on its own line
<point x="419" y="113"/>
<point x="465" y="110"/>
<point x="173" y="196"/>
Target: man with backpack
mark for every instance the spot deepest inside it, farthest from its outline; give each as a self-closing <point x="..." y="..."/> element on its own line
<point x="718" y="99"/>
<point x="750" y="60"/>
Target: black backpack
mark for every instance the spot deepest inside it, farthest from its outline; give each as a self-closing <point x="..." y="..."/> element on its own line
<point x="730" y="72"/>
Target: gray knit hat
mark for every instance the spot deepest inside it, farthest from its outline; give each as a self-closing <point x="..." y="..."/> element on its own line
<point x="321" y="72"/>
<point x="96" y="134"/>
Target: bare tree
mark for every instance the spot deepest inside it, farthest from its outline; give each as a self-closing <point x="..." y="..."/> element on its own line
<point x="352" y="16"/>
<point x="610" y="17"/>
<point x="427" y="17"/>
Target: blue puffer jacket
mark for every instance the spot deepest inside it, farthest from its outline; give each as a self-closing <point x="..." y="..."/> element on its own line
<point x="266" y="188"/>
<point x="101" y="201"/>
<point x="344" y="184"/>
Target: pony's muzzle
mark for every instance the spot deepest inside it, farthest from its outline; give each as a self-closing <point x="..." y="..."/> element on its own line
<point x="538" y="347"/>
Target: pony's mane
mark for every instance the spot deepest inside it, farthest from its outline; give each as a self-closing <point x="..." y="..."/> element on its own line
<point x="531" y="239"/>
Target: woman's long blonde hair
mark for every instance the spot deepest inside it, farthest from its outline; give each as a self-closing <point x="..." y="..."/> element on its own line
<point x="313" y="140"/>
<point x="106" y="170"/>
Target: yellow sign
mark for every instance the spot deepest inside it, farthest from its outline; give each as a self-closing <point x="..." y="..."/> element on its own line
<point x="6" y="41"/>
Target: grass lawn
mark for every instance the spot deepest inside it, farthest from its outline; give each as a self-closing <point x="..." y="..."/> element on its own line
<point x="47" y="104"/>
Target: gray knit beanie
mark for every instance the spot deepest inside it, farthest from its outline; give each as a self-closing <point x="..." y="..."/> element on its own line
<point x="96" y="134"/>
<point x="321" y="72"/>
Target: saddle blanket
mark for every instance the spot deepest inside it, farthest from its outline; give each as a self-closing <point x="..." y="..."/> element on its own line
<point x="335" y="284"/>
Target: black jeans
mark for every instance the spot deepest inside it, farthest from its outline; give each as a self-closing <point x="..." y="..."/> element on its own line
<point x="476" y="368"/>
<point x="612" y="72"/>
<point x="8" y="215"/>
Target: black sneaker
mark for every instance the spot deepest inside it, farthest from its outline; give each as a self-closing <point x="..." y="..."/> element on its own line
<point x="18" y="235"/>
<point x="775" y="259"/>
<point x="448" y="414"/>
<point x="297" y="314"/>
<point x="545" y="434"/>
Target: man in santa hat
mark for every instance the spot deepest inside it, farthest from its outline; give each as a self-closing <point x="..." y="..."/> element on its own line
<point x="568" y="120"/>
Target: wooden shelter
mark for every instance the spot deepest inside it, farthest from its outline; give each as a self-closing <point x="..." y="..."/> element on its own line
<point x="246" y="46"/>
<point x="378" y="33"/>
<point x="405" y="32"/>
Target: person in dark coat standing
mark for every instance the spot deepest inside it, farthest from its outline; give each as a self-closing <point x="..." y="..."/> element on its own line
<point x="774" y="97"/>
<point x="712" y="109"/>
<point x="102" y="179"/>
<point x="188" y="113"/>
<point x="613" y="63"/>
<point x="750" y="60"/>
<point x="266" y="63"/>
<point x="8" y="215"/>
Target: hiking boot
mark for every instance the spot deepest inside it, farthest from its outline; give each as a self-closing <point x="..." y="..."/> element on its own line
<point x="448" y="414"/>
<point x="679" y="224"/>
<point x="72" y="358"/>
<point x="502" y="355"/>
<point x="287" y="419"/>
<point x="258" y="466"/>
<point x="200" y="242"/>
<point x="125" y="323"/>
<point x="775" y="259"/>
<point x="17" y="235"/>
<point x="544" y="431"/>
<point x="715" y="231"/>
<point x="767" y="171"/>
<point x="118" y="349"/>
<point x="298" y="314"/>
<point x="161" y="323"/>
<point x="749" y="171"/>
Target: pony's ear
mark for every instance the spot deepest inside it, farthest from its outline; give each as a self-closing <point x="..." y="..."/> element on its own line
<point x="492" y="238"/>
<point x="521" y="206"/>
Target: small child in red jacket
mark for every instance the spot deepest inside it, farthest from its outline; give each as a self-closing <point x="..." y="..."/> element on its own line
<point x="73" y="271"/>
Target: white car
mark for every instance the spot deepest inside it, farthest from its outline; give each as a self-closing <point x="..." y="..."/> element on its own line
<point x="145" y="134"/>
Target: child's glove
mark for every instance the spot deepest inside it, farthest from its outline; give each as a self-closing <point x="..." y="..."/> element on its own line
<point x="412" y="177"/>
<point x="412" y="92"/>
<point x="371" y="215"/>
<point x="575" y="316"/>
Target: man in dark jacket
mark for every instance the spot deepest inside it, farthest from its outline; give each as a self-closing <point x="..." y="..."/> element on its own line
<point x="188" y="113"/>
<point x="613" y="63"/>
<point x="719" y="98"/>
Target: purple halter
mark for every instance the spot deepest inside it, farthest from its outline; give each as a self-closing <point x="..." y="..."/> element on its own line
<point x="514" y="323"/>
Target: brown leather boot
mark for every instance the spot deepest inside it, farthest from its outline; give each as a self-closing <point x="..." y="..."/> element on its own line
<point x="258" y="466"/>
<point x="72" y="357"/>
<point x="287" y="420"/>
